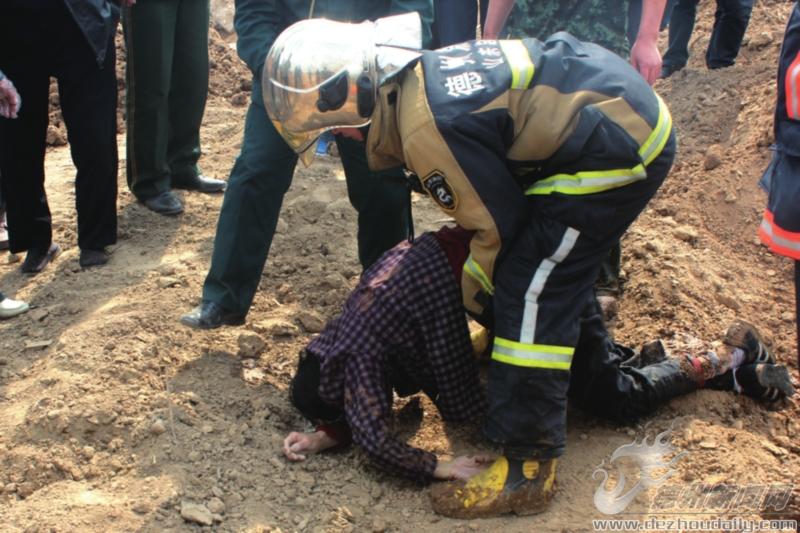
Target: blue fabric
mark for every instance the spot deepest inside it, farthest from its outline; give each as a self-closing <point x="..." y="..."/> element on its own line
<point x="456" y="21"/>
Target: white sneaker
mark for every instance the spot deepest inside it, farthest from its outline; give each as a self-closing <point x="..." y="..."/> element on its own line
<point x="9" y="308"/>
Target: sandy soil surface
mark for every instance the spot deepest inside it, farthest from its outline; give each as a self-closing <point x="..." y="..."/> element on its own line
<point x="114" y="417"/>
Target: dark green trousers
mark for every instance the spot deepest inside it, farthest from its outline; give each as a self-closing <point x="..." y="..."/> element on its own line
<point x="167" y="85"/>
<point x="260" y="178"/>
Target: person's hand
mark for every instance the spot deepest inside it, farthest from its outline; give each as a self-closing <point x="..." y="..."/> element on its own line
<point x="128" y="3"/>
<point x="296" y="446"/>
<point x="351" y="133"/>
<point x="10" y="100"/>
<point x="646" y="59"/>
<point x="462" y="467"/>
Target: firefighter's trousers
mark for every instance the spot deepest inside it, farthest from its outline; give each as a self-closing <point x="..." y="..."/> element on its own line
<point x="543" y="286"/>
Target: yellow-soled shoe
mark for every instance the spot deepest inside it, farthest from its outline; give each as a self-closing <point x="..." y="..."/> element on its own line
<point x="508" y="486"/>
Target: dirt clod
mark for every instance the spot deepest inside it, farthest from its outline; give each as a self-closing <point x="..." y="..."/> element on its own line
<point x="158" y="427"/>
<point x="251" y="345"/>
<point x="195" y="512"/>
<point x="311" y="321"/>
<point x="277" y="327"/>
<point x="713" y="158"/>
<point x="216" y="506"/>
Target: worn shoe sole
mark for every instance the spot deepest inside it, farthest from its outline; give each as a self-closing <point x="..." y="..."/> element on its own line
<point x="744" y="335"/>
<point x="775" y="379"/>
<point x="764" y="381"/>
<point x="525" y="490"/>
<point x="521" y="503"/>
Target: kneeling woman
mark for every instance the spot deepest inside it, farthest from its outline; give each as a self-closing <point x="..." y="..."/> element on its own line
<point x="403" y="330"/>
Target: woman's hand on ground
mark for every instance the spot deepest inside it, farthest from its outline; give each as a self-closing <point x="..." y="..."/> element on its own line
<point x="296" y="446"/>
<point x="463" y="467"/>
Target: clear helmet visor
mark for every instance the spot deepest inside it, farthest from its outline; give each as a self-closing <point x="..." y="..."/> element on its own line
<point x="320" y="74"/>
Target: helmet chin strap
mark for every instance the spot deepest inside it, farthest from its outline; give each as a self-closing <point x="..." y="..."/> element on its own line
<point x="365" y="95"/>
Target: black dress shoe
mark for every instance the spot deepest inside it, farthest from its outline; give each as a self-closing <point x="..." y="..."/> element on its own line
<point x="90" y="258"/>
<point x="165" y="203"/>
<point x="209" y="315"/>
<point x="199" y="183"/>
<point x="38" y="258"/>
<point x="669" y="70"/>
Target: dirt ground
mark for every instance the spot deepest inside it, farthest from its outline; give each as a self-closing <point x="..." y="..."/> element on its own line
<point x="113" y="416"/>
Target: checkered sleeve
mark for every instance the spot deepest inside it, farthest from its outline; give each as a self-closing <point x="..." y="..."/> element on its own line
<point x="438" y="314"/>
<point x="368" y="409"/>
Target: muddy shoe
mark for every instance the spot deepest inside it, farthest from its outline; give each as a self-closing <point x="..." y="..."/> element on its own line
<point x="744" y="335"/>
<point x="764" y="381"/>
<point x="608" y="307"/>
<point x="508" y="486"/>
<point x="652" y="352"/>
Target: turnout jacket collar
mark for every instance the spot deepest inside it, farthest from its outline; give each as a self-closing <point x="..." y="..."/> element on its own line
<point x="384" y="147"/>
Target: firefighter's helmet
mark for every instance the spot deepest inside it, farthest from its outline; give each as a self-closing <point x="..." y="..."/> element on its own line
<point x="321" y="74"/>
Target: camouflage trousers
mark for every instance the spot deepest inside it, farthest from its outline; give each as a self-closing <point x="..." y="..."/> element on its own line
<point x="602" y="22"/>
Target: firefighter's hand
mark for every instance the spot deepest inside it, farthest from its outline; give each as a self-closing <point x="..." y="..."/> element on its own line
<point x="296" y="446"/>
<point x="351" y="133"/>
<point x="10" y="100"/>
<point x="480" y="339"/>
<point x="463" y="467"/>
<point x="646" y="59"/>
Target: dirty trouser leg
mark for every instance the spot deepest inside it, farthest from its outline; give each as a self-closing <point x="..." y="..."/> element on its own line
<point x="25" y="59"/>
<point x="730" y="25"/>
<point x="150" y="41"/>
<point x="542" y="288"/>
<point x="681" y="26"/>
<point x="188" y="89"/>
<point x="259" y="180"/>
<point x="89" y="104"/>
<point x="601" y="384"/>
<point x="380" y="198"/>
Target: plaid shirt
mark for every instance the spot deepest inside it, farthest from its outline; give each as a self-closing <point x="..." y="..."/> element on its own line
<point x="402" y="328"/>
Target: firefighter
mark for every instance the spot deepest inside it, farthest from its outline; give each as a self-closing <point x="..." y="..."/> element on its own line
<point x="548" y="150"/>
<point x="780" y="227"/>
<point x="403" y="331"/>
